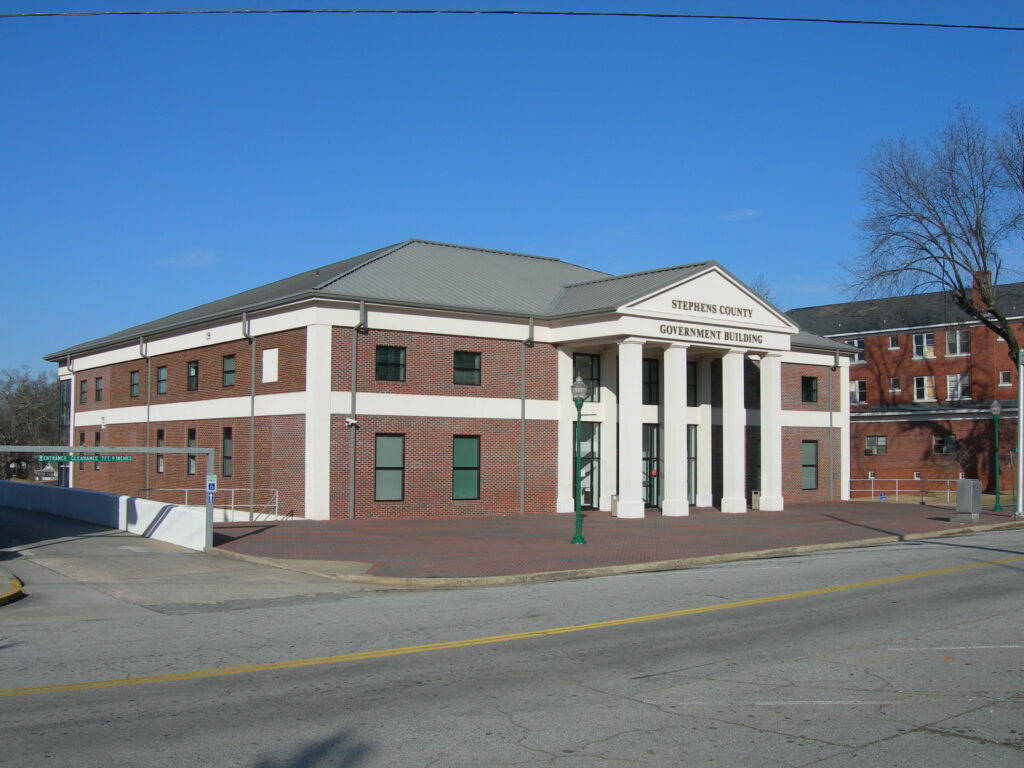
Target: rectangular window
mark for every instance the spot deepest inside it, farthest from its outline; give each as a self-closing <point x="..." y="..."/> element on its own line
<point x="871" y="475"/>
<point x="467" y="368"/>
<point x="227" y="371"/>
<point x="159" y="456"/>
<point x="389" y="468"/>
<point x="190" y="442"/>
<point x="651" y="381"/>
<point x="227" y="454"/>
<point x="83" y="391"/>
<point x="466" y="467"/>
<point x="858" y="392"/>
<point x="161" y="380"/>
<point x="99" y="389"/>
<point x="1004" y="379"/>
<point x="958" y="342"/>
<point x="859" y="344"/>
<point x="917" y="475"/>
<point x="924" y="345"/>
<point x="876" y="445"/>
<point x="192" y="376"/>
<point x="588" y="368"/>
<point x="958" y="386"/>
<point x="96" y="442"/>
<point x="270" y="365"/>
<point x="133" y="384"/>
<point x="808" y="389"/>
<point x="809" y="465"/>
<point x="691" y="384"/>
<point x="390" y="363"/>
<point x="944" y="444"/>
<point x="894" y="342"/>
<point x="924" y="387"/>
<point x="894" y="384"/>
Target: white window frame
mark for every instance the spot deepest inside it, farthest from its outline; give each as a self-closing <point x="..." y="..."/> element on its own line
<point x="874" y="445"/>
<point x="892" y="345"/>
<point x="924" y="381"/>
<point x="1005" y="381"/>
<point x="921" y="342"/>
<point x="894" y="389"/>
<point x="917" y="475"/>
<point x="859" y="344"/>
<point x="956" y="383"/>
<point x="858" y="391"/>
<point x="962" y="345"/>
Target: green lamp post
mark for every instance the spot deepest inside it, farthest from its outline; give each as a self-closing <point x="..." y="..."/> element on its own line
<point x="996" y="409"/>
<point x="580" y="392"/>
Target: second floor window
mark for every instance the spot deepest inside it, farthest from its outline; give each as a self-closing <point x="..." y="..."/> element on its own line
<point x="924" y="387"/>
<point x="467" y="368"/>
<point x="133" y="384"/>
<point x="99" y="389"/>
<point x="390" y="363"/>
<point x="1004" y="379"/>
<point x="894" y="342"/>
<point x="894" y="384"/>
<point x="858" y="392"/>
<point x="228" y="371"/>
<point x="161" y="380"/>
<point x="83" y="391"/>
<point x="808" y="389"/>
<point x="958" y="386"/>
<point x="958" y="342"/>
<point x="588" y="368"/>
<point x="651" y="381"/>
<point x="859" y="344"/>
<point x="924" y="345"/>
<point x="192" y="376"/>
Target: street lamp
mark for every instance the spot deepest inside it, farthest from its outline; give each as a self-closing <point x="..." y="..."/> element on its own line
<point x="580" y="392"/>
<point x="996" y="409"/>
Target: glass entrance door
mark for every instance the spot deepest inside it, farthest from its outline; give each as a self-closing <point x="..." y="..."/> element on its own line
<point x="652" y="464"/>
<point x="590" y="464"/>
<point x="691" y="463"/>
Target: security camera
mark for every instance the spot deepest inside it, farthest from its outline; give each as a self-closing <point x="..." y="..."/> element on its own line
<point x="351" y="422"/>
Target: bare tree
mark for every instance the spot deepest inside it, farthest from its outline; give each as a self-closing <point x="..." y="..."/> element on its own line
<point x="762" y="288"/>
<point x="29" y="414"/>
<point x="939" y="216"/>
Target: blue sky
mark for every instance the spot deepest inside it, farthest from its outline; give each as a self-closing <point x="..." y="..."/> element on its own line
<point x="150" y="164"/>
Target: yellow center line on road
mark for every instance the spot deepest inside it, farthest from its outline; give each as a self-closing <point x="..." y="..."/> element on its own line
<point x="469" y="642"/>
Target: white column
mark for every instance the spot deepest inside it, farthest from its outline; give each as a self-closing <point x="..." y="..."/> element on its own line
<point x="318" y="422"/>
<point x="844" y="427"/>
<point x="771" y="432"/>
<point x="674" y="503"/>
<point x="704" y="497"/>
<point x="734" y="455"/>
<point x="610" y="411"/>
<point x="631" y="500"/>
<point x="566" y="436"/>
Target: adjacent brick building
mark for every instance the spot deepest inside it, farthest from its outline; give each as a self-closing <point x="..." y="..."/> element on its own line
<point x="426" y="379"/>
<point x="922" y="390"/>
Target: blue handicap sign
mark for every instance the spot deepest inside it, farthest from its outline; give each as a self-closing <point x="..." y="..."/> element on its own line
<point x="883" y="497"/>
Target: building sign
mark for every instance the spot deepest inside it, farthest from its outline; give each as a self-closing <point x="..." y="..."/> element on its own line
<point x="711" y="334"/>
<point x="723" y="310"/>
<point x="119" y="458"/>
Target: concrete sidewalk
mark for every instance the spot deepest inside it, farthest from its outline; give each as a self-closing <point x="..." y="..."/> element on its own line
<point x="522" y="548"/>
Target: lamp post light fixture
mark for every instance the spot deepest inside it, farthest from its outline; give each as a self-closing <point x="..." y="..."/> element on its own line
<point x="996" y="409"/>
<point x="580" y="392"/>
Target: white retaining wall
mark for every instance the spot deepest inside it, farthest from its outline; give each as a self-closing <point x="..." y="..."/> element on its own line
<point x="175" y="524"/>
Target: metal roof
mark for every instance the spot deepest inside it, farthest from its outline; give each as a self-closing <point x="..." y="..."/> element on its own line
<point x="913" y="311"/>
<point x="611" y="292"/>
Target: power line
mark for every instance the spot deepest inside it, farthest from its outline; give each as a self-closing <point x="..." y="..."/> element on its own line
<point x="463" y="12"/>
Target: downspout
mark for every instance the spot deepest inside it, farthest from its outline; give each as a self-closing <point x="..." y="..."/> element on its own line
<point x="247" y="333"/>
<point x="144" y="353"/>
<point x="352" y="423"/>
<point x="831" y="415"/>
<point x="528" y="342"/>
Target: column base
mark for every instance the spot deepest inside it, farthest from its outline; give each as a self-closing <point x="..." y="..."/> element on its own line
<point x="675" y="508"/>
<point x="734" y="505"/>
<point x="565" y="506"/>
<point x="605" y="504"/>
<point x="630" y="509"/>
<point x="704" y="500"/>
<point x="771" y="504"/>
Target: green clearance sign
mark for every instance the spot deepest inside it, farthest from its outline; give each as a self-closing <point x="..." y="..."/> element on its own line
<point x="115" y="458"/>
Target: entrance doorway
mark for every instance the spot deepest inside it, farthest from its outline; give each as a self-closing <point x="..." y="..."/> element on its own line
<point x="652" y="464"/>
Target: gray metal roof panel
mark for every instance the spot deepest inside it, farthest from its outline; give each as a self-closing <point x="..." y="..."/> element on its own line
<point x="612" y="292"/>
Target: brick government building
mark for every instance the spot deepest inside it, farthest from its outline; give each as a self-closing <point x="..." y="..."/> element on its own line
<point x="922" y="388"/>
<point x="426" y="379"/>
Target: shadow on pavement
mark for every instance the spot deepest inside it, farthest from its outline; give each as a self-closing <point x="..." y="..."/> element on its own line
<point x="342" y="750"/>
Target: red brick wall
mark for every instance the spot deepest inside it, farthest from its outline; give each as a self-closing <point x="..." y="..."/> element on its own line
<point x="792" y="375"/>
<point x="428" y="466"/>
<point x="792" y="439"/>
<point x="429" y="365"/>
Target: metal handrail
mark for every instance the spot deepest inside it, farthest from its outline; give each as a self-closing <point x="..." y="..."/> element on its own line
<point x="916" y="486"/>
<point x="270" y="506"/>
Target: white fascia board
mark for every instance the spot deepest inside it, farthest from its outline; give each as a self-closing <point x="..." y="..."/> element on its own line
<point x="905" y="329"/>
<point x="451" y="324"/>
<point x="811" y="419"/>
<point x="441" y="406"/>
<point x="653" y="330"/>
<point x="63" y="372"/>
<point x="221" y="408"/>
<point x="822" y="358"/>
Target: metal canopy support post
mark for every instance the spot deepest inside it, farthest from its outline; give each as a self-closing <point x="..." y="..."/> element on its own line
<point x="210" y="454"/>
<point x="1018" y="509"/>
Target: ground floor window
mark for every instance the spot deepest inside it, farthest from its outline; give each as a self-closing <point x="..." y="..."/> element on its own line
<point x="809" y="465"/>
<point x="876" y="445"/>
<point x="389" y="468"/>
<point x="227" y="467"/>
<point x="466" y="467"/>
<point x="190" y="442"/>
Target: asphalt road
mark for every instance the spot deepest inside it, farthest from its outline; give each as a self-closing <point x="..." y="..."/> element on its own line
<point x="859" y="658"/>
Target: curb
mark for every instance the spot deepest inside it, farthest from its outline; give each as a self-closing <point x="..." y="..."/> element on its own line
<point x="11" y="588"/>
<point x="443" y="582"/>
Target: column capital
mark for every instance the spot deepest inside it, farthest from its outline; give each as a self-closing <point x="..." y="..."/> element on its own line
<point x="678" y="345"/>
<point x="735" y="353"/>
<point x="630" y="340"/>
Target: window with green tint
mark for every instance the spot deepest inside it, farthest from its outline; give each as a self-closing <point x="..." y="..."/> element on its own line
<point x="161" y="380"/>
<point x="691" y="384"/>
<point x="227" y="374"/>
<point x="133" y="384"/>
<point x="466" y="467"/>
<point x="467" y="368"/>
<point x="651" y="381"/>
<point x="390" y="363"/>
<point x="588" y="368"/>
<point x="389" y="468"/>
<point x="809" y="465"/>
<point x="192" y="376"/>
